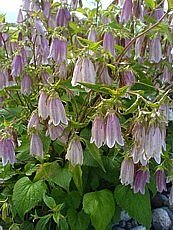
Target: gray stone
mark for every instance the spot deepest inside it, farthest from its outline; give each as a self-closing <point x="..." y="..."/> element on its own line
<point x="139" y="228"/>
<point x="161" y="219"/>
<point x="124" y="216"/>
<point x="170" y="212"/>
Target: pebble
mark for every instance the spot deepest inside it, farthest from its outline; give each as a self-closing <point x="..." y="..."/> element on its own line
<point x="161" y="219"/>
<point x="139" y="228"/>
<point x="124" y="216"/>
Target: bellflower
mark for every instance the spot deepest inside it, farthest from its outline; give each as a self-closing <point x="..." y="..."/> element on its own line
<point x="26" y="5"/>
<point x="127" y="78"/>
<point x="75" y="152"/>
<point x="63" y="17"/>
<point x="171" y="196"/>
<point x="46" y="8"/>
<point x="58" y="50"/>
<point x="160" y="180"/>
<point x="155" y="50"/>
<point x="39" y="26"/>
<point x="17" y="65"/>
<point x="33" y="122"/>
<point x="58" y="132"/>
<point x="19" y="17"/>
<point x="7" y="151"/>
<point x="26" y="84"/>
<point x="3" y="79"/>
<point x="98" y="131"/>
<point x="104" y="75"/>
<point x="77" y="73"/>
<point x="113" y="130"/>
<point x="141" y="178"/>
<point x="92" y="36"/>
<point x="127" y="171"/>
<point x="126" y="12"/>
<point x="56" y="111"/>
<point x="108" y="43"/>
<point x="43" y="110"/>
<point x="36" y="145"/>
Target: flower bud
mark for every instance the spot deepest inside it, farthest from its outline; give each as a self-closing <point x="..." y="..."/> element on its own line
<point x="75" y="152"/>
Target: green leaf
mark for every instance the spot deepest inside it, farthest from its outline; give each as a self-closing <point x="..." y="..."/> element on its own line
<point x="95" y="153"/>
<point x="27" y="194"/>
<point x="53" y="172"/>
<point x="62" y="178"/>
<point x="170" y="4"/>
<point x="73" y="199"/>
<point x="26" y="225"/>
<point x="77" y="177"/>
<point x="41" y="225"/>
<point x="150" y="3"/>
<point x="77" y="220"/>
<point x="63" y="225"/>
<point x="135" y="204"/>
<point x="49" y="201"/>
<point x="100" y="206"/>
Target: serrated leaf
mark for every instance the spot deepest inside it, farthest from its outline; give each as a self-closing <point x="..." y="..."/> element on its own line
<point x="100" y="206"/>
<point x="135" y="204"/>
<point x="73" y="199"/>
<point x="94" y="152"/>
<point x="27" y="194"/>
<point x="41" y="225"/>
<point x="77" y="220"/>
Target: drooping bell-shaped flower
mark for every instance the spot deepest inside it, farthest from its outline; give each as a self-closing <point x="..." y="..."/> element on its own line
<point x="158" y="13"/>
<point x="127" y="171"/>
<point x="108" y="43"/>
<point x="160" y="180"/>
<point x="74" y="4"/>
<point x="26" y="5"/>
<point x="43" y="110"/>
<point x="58" y="50"/>
<point x="98" y="131"/>
<point x="127" y="78"/>
<point x="33" y="122"/>
<point x="39" y="26"/>
<point x="75" y="152"/>
<point x="3" y="79"/>
<point x="36" y="145"/>
<point x="63" y="17"/>
<point x="7" y="151"/>
<point x="141" y="178"/>
<point x="24" y="56"/>
<point x="140" y="47"/>
<point x="84" y="71"/>
<point x="126" y="12"/>
<point x="92" y="35"/>
<point x="58" y="132"/>
<point x="77" y="73"/>
<point x="104" y="75"/>
<point x="19" y="17"/>
<point x="57" y="112"/>
<point x="155" y="50"/>
<point x="26" y="84"/>
<point x="113" y="130"/>
<point x="17" y="65"/>
<point x="88" y="71"/>
<point x="46" y="8"/>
